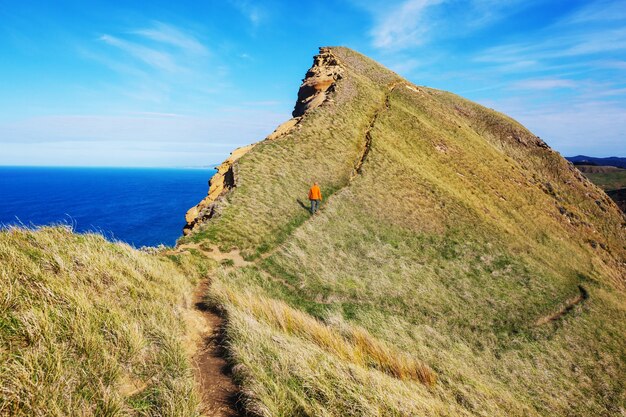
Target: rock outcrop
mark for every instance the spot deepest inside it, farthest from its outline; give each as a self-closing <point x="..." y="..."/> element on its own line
<point x="318" y="82"/>
<point x="315" y="89"/>
<point x="221" y="182"/>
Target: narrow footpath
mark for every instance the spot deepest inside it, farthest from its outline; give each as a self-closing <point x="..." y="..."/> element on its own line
<point x="219" y="392"/>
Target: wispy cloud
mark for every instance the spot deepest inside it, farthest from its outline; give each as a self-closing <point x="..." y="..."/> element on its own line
<point x="404" y="25"/>
<point x="543" y="84"/>
<point x="615" y="64"/>
<point x="167" y="34"/>
<point x="251" y="10"/>
<point x="598" y="11"/>
<point x="573" y="129"/>
<point x="237" y="128"/>
<point x="157" y="63"/>
<point x="160" y="45"/>
<point x="571" y="42"/>
<point x="150" y="56"/>
<point x="412" y="23"/>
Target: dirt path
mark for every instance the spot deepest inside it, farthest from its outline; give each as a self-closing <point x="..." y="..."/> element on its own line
<point x="232" y="258"/>
<point x="219" y="392"/>
<point x="565" y="308"/>
<point x="368" y="132"/>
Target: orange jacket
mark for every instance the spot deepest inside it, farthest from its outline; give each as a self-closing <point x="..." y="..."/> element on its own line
<point x="315" y="193"/>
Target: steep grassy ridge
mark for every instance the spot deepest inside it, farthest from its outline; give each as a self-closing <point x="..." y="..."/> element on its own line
<point x="611" y="179"/>
<point x="467" y="269"/>
<point x="89" y="327"/>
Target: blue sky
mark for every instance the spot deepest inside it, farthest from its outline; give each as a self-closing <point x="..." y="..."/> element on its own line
<point x="165" y="83"/>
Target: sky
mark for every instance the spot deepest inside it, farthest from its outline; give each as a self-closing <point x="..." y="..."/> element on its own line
<point x="182" y="83"/>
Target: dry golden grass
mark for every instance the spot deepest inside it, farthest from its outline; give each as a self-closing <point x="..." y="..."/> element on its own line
<point x="421" y="288"/>
<point x="89" y="327"/>
<point x="460" y="233"/>
<point x="351" y="343"/>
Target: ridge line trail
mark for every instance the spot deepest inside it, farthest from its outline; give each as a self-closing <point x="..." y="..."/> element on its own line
<point x="567" y="306"/>
<point x="217" y="388"/>
<point x="356" y="170"/>
<point x="368" y="135"/>
<point x="218" y="392"/>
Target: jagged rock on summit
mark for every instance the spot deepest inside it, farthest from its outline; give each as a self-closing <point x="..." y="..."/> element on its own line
<point x="318" y="81"/>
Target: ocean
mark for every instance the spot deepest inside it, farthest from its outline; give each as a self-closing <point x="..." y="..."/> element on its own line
<point x="139" y="206"/>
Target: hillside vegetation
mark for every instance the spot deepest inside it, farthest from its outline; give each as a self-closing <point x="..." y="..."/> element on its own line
<point x="92" y="328"/>
<point x="611" y="179"/>
<point x="459" y="266"/>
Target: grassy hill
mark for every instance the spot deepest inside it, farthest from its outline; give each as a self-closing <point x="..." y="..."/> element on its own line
<point x="459" y="266"/>
<point x="611" y="179"/>
<point x="93" y="328"/>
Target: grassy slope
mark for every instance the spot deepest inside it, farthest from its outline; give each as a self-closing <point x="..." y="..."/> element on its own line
<point x="89" y="327"/>
<point x="459" y="235"/>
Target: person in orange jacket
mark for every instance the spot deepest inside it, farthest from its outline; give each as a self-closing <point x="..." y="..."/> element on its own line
<point x="315" y="195"/>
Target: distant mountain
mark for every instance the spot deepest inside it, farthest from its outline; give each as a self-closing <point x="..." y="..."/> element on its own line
<point x="614" y="161"/>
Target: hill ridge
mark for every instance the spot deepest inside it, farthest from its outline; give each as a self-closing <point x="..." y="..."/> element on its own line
<point x="458" y="267"/>
<point x="449" y="232"/>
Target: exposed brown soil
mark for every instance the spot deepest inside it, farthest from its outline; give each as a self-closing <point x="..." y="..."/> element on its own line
<point x="233" y="257"/>
<point x="368" y="132"/>
<point x="219" y="392"/>
<point x="566" y="308"/>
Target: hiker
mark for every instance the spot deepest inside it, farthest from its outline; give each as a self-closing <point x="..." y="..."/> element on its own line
<point x="315" y="195"/>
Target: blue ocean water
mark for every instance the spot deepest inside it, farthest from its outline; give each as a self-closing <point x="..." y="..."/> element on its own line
<point x="140" y="206"/>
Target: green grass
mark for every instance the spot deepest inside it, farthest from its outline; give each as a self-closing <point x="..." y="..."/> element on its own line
<point x="609" y="180"/>
<point x="461" y="233"/>
<point x="89" y="327"/>
<point x="432" y="283"/>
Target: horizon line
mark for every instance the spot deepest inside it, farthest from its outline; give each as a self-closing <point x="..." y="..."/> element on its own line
<point x="210" y="166"/>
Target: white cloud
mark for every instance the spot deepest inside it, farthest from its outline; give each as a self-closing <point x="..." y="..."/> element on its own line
<point x="576" y="128"/>
<point x="241" y="127"/>
<point x="574" y="44"/>
<point x="159" y="64"/>
<point x="168" y="34"/>
<point x="412" y="23"/>
<point x="134" y="139"/>
<point x="613" y="64"/>
<point x="250" y="10"/>
<point x="150" y="56"/>
<point x="404" y="25"/>
<point x="543" y="84"/>
<point x="598" y="11"/>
